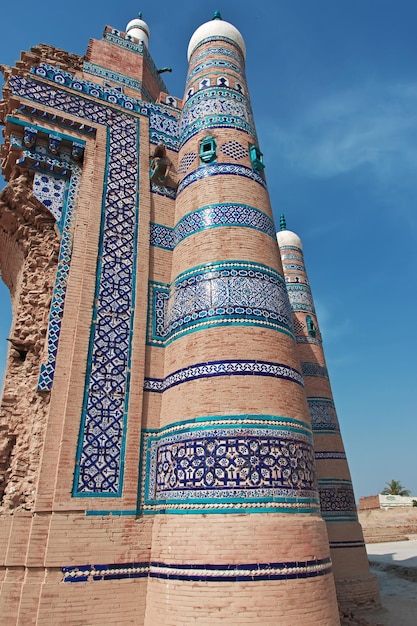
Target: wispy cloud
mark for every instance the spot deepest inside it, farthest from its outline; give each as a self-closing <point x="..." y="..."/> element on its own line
<point x="373" y="126"/>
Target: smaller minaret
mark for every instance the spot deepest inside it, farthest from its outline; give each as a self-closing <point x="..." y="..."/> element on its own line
<point x="354" y="582"/>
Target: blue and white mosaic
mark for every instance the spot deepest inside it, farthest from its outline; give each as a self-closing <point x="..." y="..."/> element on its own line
<point x="161" y="190"/>
<point x="199" y="572"/>
<point x="47" y="370"/>
<point x="51" y="191"/>
<point x="219" y="51"/>
<point x="254" y="461"/>
<point x="103" y="72"/>
<point x="234" y="292"/>
<point x="99" y="467"/>
<point x="329" y="455"/>
<point x="337" y="501"/>
<point x="216" y="63"/>
<point x="186" y="162"/>
<point x="218" y="107"/>
<point x="212" y="216"/>
<point x="300" y="297"/>
<point x="323" y="414"/>
<point x="220" y="169"/>
<point x="234" y="150"/>
<point x="314" y="369"/>
<point x="235" y="367"/>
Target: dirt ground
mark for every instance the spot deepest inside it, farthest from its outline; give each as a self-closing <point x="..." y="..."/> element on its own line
<point x="395" y="565"/>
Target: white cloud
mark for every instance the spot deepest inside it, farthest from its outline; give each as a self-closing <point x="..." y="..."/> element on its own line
<point x="373" y="126"/>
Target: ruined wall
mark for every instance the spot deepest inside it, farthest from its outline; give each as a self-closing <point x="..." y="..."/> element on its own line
<point x="29" y="250"/>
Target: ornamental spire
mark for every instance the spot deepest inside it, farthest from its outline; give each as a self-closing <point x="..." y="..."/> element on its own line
<point x="217" y="15"/>
<point x="282" y="222"/>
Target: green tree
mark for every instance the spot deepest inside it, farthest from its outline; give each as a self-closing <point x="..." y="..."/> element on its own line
<point x="395" y="488"/>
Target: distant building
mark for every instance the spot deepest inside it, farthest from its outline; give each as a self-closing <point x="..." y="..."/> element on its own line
<point x="170" y="449"/>
<point x="385" y="502"/>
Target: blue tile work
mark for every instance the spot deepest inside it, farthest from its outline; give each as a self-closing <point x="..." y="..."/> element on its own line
<point x="300" y="297"/>
<point x="103" y="72"/>
<point x="216" y="63"/>
<point x="47" y="369"/>
<point x="163" y="121"/>
<point x="212" y="216"/>
<point x="227" y="293"/>
<point x="162" y="236"/>
<point x="220" y="169"/>
<point x="160" y="190"/>
<point x="45" y="116"/>
<point x="51" y="191"/>
<point x="123" y="40"/>
<point x="235" y="367"/>
<point x="100" y="453"/>
<point x="186" y="162"/>
<point x="346" y="544"/>
<point x="230" y="572"/>
<point x="254" y="462"/>
<point x="323" y="414"/>
<point x="217" y="107"/>
<point x="234" y="150"/>
<point x="291" y="256"/>
<point x="314" y="369"/>
<point x="218" y="51"/>
<point x="337" y="500"/>
<point x="215" y="39"/>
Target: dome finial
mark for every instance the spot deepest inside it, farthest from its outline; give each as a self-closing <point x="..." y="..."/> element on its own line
<point x="140" y="15"/>
<point x="217" y="15"/>
<point x="282" y="222"/>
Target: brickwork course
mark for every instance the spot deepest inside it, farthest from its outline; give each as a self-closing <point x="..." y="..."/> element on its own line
<point x="170" y="452"/>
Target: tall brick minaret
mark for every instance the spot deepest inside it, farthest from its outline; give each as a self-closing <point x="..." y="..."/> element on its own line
<point x="337" y="501"/>
<point x="239" y="534"/>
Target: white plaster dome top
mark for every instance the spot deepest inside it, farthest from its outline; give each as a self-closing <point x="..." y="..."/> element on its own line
<point x="288" y="238"/>
<point x="139" y="29"/>
<point x="213" y="28"/>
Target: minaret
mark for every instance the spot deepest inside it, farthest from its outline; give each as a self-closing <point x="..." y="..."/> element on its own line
<point x="354" y="582"/>
<point x="239" y="537"/>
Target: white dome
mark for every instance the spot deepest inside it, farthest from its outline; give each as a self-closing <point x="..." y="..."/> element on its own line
<point x="288" y="238"/>
<point x="216" y="27"/>
<point x="139" y="29"/>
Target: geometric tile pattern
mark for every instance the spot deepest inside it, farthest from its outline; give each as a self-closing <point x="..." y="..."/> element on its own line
<point x="99" y="468"/>
<point x="218" y="51"/>
<point x="211" y="216"/>
<point x="300" y="297"/>
<point x="199" y="572"/>
<point x="216" y="169"/>
<point x="330" y="455"/>
<point x="234" y="150"/>
<point x="217" y="107"/>
<point x="56" y="311"/>
<point x="218" y="63"/>
<point x="337" y="500"/>
<point x="50" y="191"/>
<point x="314" y="369"/>
<point x="232" y="292"/>
<point x="235" y="367"/>
<point x="248" y="460"/>
<point x="323" y="414"/>
<point x="162" y="236"/>
<point x="102" y="72"/>
<point x="186" y="162"/>
<point x="168" y="192"/>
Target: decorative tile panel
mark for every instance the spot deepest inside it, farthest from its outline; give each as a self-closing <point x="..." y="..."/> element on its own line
<point x="47" y="369"/>
<point x="51" y="192"/>
<point x="329" y="455"/>
<point x="228" y="293"/>
<point x="162" y="236"/>
<point x="161" y="190"/>
<point x="218" y="107"/>
<point x="337" y="501"/>
<point x="249" y="461"/>
<point x="99" y="466"/>
<point x="323" y="414"/>
<point x="199" y="572"/>
<point x="216" y="63"/>
<point x="186" y="162"/>
<point x="235" y="367"/>
<point x="218" y="51"/>
<point x="234" y="150"/>
<point x="103" y="72"/>
<point x="314" y="369"/>
<point x="300" y="297"/>
<point x="220" y="169"/>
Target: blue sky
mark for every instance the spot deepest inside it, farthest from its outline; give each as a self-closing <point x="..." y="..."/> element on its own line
<point x="333" y="85"/>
